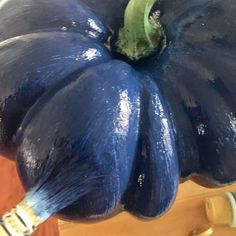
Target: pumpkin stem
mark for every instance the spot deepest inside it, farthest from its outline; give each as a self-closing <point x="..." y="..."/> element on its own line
<point x="142" y="34"/>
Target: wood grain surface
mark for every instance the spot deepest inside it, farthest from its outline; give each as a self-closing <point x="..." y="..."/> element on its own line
<point x="11" y="192"/>
<point x="186" y="215"/>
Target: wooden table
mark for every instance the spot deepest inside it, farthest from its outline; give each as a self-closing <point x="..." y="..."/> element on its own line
<point x="186" y="214"/>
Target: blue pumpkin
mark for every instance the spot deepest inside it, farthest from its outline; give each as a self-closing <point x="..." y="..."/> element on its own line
<point x="65" y="95"/>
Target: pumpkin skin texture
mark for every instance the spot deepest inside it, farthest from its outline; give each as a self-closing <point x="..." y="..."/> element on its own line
<point x="29" y="22"/>
<point x="110" y="12"/>
<point x="108" y="107"/>
<point x="196" y="76"/>
<point x="182" y="121"/>
<point x="19" y="17"/>
<point x="39" y="61"/>
<point x="155" y="176"/>
<point x="97" y="119"/>
<point x="201" y="49"/>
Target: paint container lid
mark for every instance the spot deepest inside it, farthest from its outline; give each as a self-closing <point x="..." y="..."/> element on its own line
<point x="205" y="231"/>
<point x="221" y="209"/>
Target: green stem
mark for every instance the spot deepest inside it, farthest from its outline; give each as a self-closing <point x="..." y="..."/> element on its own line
<point x="141" y="34"/>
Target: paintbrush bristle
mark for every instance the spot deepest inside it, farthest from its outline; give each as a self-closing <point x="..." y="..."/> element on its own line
<point x="61" y="183"/>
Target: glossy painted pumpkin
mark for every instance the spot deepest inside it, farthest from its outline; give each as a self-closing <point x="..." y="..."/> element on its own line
<point x="143" y="125"/>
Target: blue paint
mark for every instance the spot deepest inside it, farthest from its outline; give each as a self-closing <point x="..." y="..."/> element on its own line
<point x="39" y="61"/>
<point x="139" y="128"/>
<point x="95" y="118"/>
<point x="29" y="16"/>
<point x="155" y="176"/>
<point x="196" y="76"/>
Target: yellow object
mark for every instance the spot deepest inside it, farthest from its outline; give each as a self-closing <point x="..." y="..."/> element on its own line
<point x="221" y="209"/>
<point x="203" y="232"/>
<point x="218" y="210"/>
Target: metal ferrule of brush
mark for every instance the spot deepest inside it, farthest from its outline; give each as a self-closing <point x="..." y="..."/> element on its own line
<point x="20" y="221"/>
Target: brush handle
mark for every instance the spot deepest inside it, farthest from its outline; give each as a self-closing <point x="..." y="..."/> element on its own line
<point x="3" y="231"/>
<point x="12" y="225"/>
<point x="20" y="221"/>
